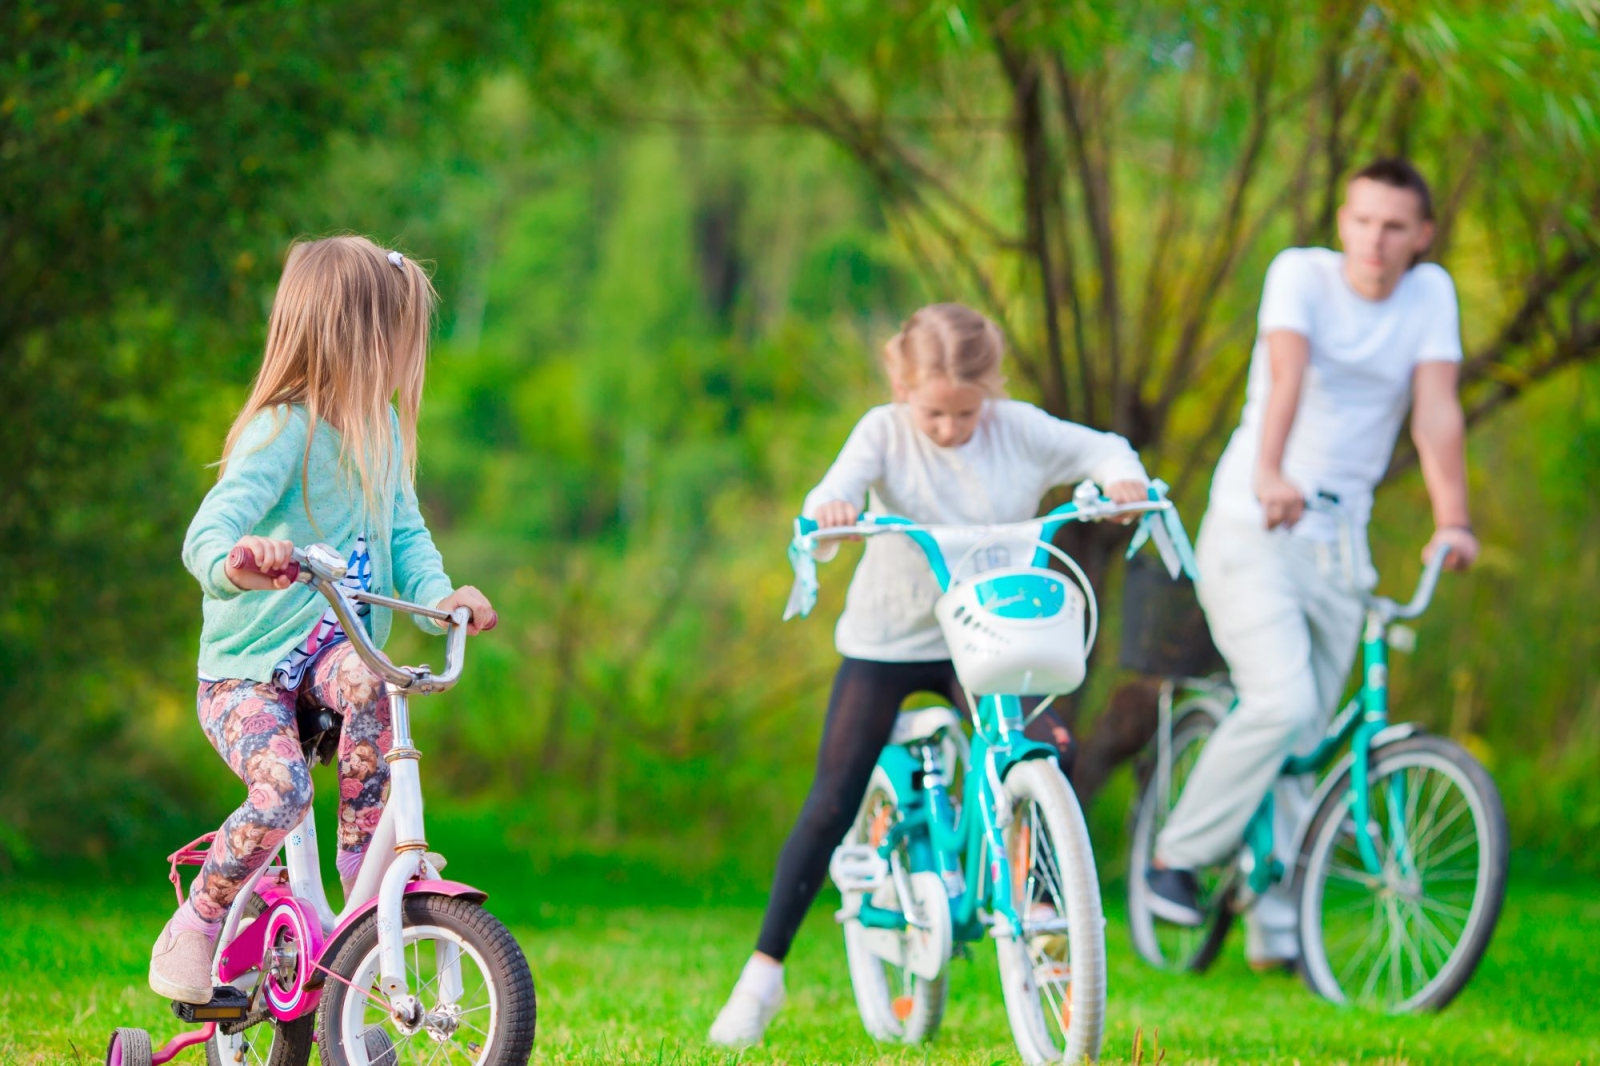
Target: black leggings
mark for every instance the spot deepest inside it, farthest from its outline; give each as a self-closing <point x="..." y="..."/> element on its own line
<point x="861" y="713"/>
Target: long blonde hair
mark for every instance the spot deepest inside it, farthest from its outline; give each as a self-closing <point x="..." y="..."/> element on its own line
<point x="947" y="340"/>
<point x="349" y="330"/>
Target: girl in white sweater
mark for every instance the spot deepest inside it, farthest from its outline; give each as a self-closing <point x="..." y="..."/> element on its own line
<point x="951" y="450"/>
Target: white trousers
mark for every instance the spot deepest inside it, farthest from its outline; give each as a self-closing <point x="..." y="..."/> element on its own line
<point x="1286" y="615"/>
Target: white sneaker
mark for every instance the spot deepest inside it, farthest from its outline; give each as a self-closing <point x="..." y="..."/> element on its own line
<point x="744" y="1018"/>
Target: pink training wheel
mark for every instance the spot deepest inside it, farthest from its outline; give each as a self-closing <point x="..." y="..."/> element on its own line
<point x="129" y="1047"/>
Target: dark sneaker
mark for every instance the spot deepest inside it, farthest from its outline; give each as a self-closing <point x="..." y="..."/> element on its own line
<point x="1174" y="896"/>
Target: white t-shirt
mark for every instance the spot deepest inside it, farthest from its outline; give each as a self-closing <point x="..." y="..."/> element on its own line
<point x="1356" y="391"/>
<point x="1016" y="455"/>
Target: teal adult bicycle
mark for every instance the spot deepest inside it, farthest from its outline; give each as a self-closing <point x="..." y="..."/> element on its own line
<point x="1400" y="867"/>
<point x="959" y="838"/>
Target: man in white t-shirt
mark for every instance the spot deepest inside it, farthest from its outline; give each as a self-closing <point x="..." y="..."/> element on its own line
<point x="1347" y="344"/>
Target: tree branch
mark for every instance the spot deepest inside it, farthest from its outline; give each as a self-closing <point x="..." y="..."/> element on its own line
<point x="1090" y="152"/>
<point x="1033" y="154"/>
<point x="1226" y="246"/>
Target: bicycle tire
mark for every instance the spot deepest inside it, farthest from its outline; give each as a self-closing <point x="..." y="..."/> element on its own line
<point x="1053" y="1020"/>
<point x="1489" y="836"/>
<point x="1192" y="950"/>
<point x="914" y="1015"/>
<point x="488" y="944"/>
<point x="129" y="1047"/>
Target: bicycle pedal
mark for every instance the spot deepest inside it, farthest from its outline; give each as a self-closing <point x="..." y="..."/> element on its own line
<point x="857" y="868"/>
<point x="227" y="1004"/>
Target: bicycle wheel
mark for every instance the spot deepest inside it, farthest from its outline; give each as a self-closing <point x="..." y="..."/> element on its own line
<point x="1054" y="977"/>
<point x="1409" y="938"/>
<point x="129" y="1047"/>
<point x="895" y="1003"/>
<point x="474" y="995"/>
<point x="1162" y="944"/>
<point x="261" y="1039"/>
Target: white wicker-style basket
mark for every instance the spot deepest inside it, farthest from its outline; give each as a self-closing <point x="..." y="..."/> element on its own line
<point x="1019" y="630"/>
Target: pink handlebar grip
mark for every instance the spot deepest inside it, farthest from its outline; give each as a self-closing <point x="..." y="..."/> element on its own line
<point x="244" y="559"/>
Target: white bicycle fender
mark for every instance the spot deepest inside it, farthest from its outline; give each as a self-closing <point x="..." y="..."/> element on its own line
<point x="925" y="952"/>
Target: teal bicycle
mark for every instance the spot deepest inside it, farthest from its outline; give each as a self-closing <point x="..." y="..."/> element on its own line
<point x="960" y="839"/>
<point x="1400" y="868"/>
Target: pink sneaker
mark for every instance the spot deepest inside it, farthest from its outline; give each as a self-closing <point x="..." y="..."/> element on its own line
<point x="180" y="966"/>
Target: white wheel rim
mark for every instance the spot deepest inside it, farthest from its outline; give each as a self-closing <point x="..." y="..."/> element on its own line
<point x="900" y="985"/>
<point x="471" y="1041"/>
<point x="1439" y="831"/>
<point x="1030" y="970"/>
<point x="1047" y="954"/>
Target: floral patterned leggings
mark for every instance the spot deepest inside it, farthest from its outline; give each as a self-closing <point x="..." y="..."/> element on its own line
<point x="252" y="726"/>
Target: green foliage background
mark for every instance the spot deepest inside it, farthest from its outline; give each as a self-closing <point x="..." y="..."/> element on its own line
<point x="654" y="335"/>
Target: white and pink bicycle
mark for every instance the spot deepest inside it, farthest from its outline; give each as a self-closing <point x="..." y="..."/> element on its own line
<point x="413" y="970"/>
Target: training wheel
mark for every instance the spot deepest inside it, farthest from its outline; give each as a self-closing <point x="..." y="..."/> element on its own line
<point x="129" y="1047"/>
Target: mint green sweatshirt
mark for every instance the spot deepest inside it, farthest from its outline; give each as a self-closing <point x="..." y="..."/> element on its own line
<point x="245" y="634"/>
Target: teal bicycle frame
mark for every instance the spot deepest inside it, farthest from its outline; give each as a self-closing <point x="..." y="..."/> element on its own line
<point x="971" y="847"/>
<point x="1360" y="723"/>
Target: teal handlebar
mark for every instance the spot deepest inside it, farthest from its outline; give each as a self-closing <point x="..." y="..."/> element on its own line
<point x="1159" y="522"/>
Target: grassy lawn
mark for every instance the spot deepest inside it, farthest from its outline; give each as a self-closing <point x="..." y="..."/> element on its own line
<point x="631" y="968"/>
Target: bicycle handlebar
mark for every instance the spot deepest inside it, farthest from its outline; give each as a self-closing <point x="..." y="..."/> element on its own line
<point x="1159" y="522"/>
<point x="870" y="524"/>
<point x="1425" y="588"/>
<point x="244" y="559"/>
<point x="323" y="568"/>
<point x="1328" y="504"/>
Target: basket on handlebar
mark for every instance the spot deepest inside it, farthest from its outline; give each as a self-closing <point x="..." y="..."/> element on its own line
<point x="1017" y="630"/>
<point x="1164" y="631"/>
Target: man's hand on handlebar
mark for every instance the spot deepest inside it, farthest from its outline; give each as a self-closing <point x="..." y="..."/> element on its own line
<point x="1461" y="542"/>
<point x="272" y="558"/>
<point x="1281" y="501"/>
<point x="483" y="614"/>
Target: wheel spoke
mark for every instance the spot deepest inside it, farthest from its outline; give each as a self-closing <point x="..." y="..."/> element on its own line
<point x="1396" y="945"/>
<point x="1432" y="935"/>
<point x="1369" y="943"/>
<point x="1435" y="832"/>
<point x="1350" y="873"/>
<point x="1466" y="840"/>
<point x="1414" y="953"/>
<point x="1425" y="824"/>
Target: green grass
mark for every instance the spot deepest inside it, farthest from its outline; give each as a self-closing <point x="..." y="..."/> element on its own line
<point x="631" y="968"/>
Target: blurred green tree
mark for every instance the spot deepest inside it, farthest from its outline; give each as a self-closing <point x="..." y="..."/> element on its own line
<point x="150" y="156"/>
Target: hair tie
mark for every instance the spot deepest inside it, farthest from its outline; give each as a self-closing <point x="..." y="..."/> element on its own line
<point x="398" y="260"/>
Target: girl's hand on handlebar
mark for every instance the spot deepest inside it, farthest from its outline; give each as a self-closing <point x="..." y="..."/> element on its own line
<point x="837" y="513"/>
<point x="483" y="615"/>
<point x="1462" y="544"/>
<point x="271" y="556"/>
<point x="1128" y="491"/>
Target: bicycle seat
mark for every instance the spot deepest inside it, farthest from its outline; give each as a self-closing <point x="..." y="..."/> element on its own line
<point x="319" y="731"/>
<point x="911" y="727"/>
